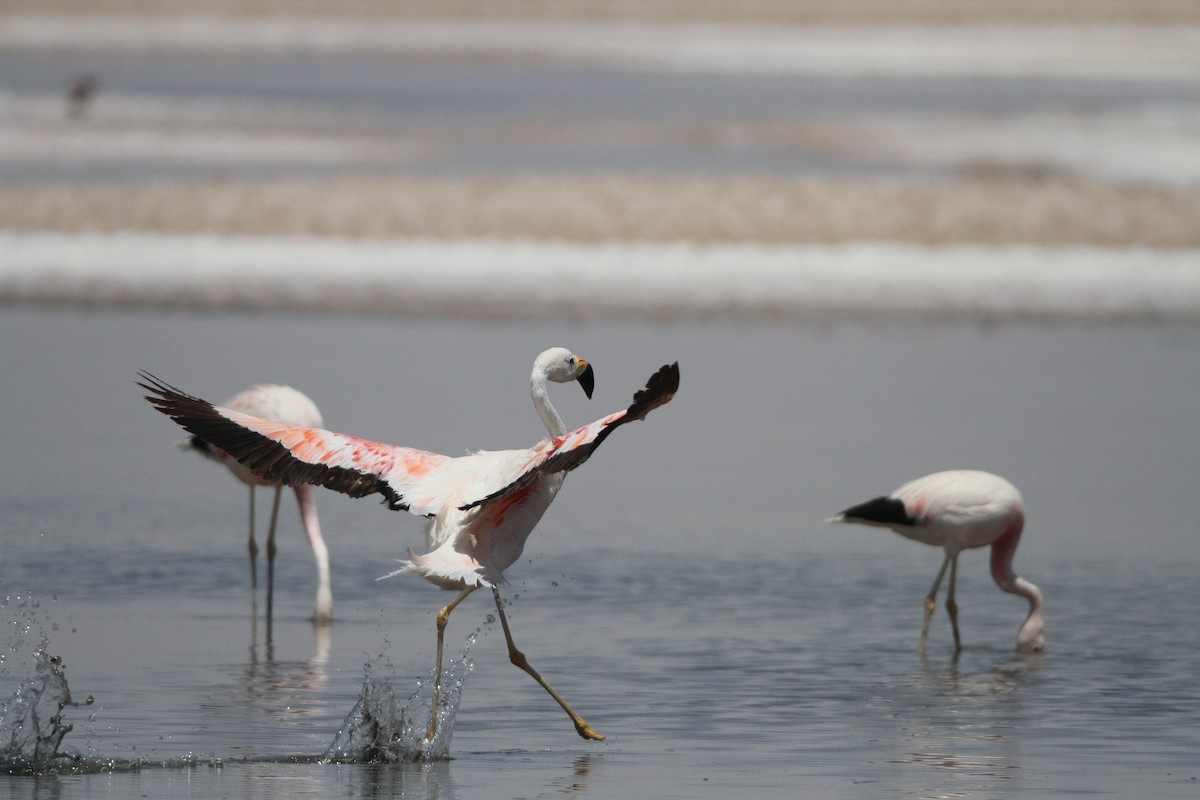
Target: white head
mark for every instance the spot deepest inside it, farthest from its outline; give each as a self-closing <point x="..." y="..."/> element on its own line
<point x="560" y="365"/>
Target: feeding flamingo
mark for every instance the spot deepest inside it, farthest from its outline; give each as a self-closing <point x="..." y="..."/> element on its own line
<point x="481" y="506"/>
<point x="958" y="510"/>
<point x="283" y="404"/>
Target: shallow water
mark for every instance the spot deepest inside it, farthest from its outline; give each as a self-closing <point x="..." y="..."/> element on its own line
<point x="683" y="593"/>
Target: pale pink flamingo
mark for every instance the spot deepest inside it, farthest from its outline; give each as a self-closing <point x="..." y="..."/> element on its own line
<point x="283" y="404"/>
<point x="958" y="510"/>
<point x="481" y="506"/>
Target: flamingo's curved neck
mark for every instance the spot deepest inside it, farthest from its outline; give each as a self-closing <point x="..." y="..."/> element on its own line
<point x="541" y="401"/>
<point x="1031" y="634"/>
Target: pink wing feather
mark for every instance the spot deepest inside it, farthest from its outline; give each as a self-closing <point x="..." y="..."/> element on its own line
<point x="294" y="455"/>
<point x="409" y="479"/>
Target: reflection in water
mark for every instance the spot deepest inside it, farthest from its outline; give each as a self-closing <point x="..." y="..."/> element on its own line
<point x="434" y="780"/>
<point x="961" y="723"/>
<point x="581" y="774"/>
<point x="266" y="678"/>
<point x="322" y="631"/>
<point x="431" y="780"/>
<point x="264" y="699"/>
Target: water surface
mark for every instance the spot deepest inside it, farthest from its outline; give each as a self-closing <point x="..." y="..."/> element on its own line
<point x="683" y="593"/>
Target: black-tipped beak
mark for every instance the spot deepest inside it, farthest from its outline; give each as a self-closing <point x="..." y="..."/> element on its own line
<point x="587" y="380"/>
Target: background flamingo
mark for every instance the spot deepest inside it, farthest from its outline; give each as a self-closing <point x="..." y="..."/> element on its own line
<point x="958" y="510"/>
<point x="481" y="506"/>
<point x="284" y="404"/>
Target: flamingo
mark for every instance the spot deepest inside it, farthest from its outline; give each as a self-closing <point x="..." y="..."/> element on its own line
<point x="482" y="506"/>
<point x="284" y="404"/>
<point x="958" y="510"/>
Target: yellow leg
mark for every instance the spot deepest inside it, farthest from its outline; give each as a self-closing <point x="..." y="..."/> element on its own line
<point x="951" y="606"/>
<point x="442" y="618"/>
<point x="931" y="603"/>
<point x="518" y="658"/>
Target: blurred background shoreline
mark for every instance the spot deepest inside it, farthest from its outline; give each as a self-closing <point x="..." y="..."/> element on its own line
<point x="1061" y="128"/>
<point x="771" y="11"/>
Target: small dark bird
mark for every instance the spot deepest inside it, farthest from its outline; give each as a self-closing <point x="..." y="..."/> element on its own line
<point x="80" y="95"/>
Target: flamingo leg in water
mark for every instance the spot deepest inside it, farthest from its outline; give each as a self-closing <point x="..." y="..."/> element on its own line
<point x="442" y="618"/>
<point x="518" y="658"/>
<point x="931" y="603"/>
<point x="271" y="550"/>
<point x="252" y="547"/>
<point x="951" y="606"/>
<point x="323" y="605"/>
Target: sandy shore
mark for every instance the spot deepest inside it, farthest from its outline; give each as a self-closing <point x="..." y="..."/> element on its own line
<point x="979" y="210"/>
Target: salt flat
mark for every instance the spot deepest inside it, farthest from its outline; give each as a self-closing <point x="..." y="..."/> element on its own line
<point x="618" y="279"/>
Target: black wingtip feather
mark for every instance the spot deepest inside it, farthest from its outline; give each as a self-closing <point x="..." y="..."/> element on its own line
<point x="881" y="511"/>
<point x="262" y="456"/>
<point x="659" y="390"/>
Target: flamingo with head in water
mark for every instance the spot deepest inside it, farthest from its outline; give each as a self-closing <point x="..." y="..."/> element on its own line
<point x="482" y="506"/>
<point x="283" y="404"/>
<point x="958" y="510"/>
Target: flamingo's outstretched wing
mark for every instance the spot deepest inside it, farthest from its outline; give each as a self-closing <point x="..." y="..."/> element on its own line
<point x="408" y="479"/>
<point x="566" y="452"/>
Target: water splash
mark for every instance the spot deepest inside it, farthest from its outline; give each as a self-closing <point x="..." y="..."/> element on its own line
<point x="21" y="626"/>
<point x="31" y="721"/>
<point x="380" y="730"/>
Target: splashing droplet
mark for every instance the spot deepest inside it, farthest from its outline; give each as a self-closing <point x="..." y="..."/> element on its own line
<point x="31" y="721"/>
<point x="379" y="730"/>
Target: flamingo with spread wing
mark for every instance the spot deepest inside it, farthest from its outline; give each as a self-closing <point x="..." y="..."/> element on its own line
<point x="482" y="506"/>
